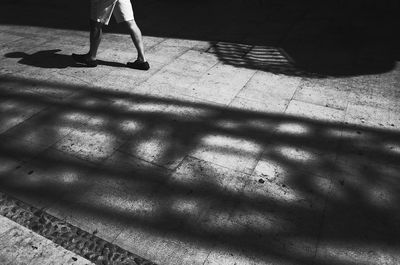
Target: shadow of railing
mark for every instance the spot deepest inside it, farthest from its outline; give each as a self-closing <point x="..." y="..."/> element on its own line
<point x="312" y="38"/>
<point x="141" y="161"/>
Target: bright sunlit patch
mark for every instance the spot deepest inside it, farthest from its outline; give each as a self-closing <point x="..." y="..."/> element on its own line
<point x="138" y="106"/>
<point x="230" y="152"/>
<point x="392" y="147"/>
<point x="185" y="206"/>
<point x="139" y="207"/>
<point x="270" y="170"/>
<point x="274" y="192"/>
<point x="150" y="149"/>
<point x="62" y="130"/>
<point x="356" y="252"/>
<point x="7" y="165"/>
<point x="186" y="112"/>
<point x="69" y="177"/>
<point x="88" y="144"/>
<point x="130" y="126"/>
<point x="148" y="107"/>
<point x="335" y="133"/>
<point x="292" y="128"/>
<point x="234" y="144"/>
<point x="227" y="124"/>
<point x="381" y="198"/>
<point x="77" y="116"/>
<point x="90" y="102"/>
<point x="84" y="118"/>
<point x="9" y="105"/>
<point x="296" y="154"/>
<point x="97" y="121"/>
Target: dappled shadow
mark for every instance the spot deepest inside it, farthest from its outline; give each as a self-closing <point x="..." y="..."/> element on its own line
<point x="311" y="38"/>
<point x="250" y="186"/>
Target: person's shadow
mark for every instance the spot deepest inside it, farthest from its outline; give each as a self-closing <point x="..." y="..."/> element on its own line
<point x="53" y="59"/>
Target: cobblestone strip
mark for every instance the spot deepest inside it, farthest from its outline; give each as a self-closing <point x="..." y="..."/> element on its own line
<point x="66" y="235"/>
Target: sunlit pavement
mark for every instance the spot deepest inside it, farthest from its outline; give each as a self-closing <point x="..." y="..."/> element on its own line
<point x="201" y="160"/>
<point x="19" y="245"/>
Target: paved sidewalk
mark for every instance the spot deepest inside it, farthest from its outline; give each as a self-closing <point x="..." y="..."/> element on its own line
<point x="222" y="153"/>
<point x="19" y="245"/>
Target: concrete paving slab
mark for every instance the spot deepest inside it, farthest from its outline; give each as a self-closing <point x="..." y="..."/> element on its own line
<point x="88" y="75"/>
<point x="164" y="53"/>
<point x="22" y="246"/>
<point x="88" y="144"/>
<point x="158" y="147"/>
<point x="324" y="96"/>
<point x="193" y="172"/>
<point x="225" y="257"/>
<point x="167" y="84"/>
<point x="164" y="251"/>
<point x="270" y="104"/>
<point x="8" y="66"/>
<point x="125" y="79"/>
<point x="6" y="37"/>
<point x="221" y="84"/>
<point x="44" y="178"/>
<point x="191" y="67"/>
<point x="53" y="86"/>
<point x="228" y="151"/>
<point x="49" y="127"/>
<point x="192" y="44"/>
<point x="142" y="118"/>
<point x="372" y="116"/>
<point x="13" y="113"/>
<point x="367" y="217"/>
<point x="375" y="90"/>
<point x="184" y="253"/>
<point x="263" y="85"/>
<point x="23" y="44"/>
<point x="119" y="57"/>
<point x="309" y="110"/>
<point x="125" y="186"/>
<point x="200" y="57"/>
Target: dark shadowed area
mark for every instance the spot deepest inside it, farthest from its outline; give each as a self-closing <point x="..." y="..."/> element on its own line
<point x="308" y="37"/>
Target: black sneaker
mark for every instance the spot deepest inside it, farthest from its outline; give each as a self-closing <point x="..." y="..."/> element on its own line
<point x="139" y="65"/>
<point x="82" y="59"/>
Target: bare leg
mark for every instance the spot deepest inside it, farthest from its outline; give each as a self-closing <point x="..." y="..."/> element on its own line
<point x="96" y="32"/>
<point x="137" y="39"/>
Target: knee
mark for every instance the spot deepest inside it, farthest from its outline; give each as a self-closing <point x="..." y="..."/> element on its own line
<point x="131" y="24"/>
<point x="96" y="26"/>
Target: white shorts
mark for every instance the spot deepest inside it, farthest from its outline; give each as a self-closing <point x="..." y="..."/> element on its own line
<point x="101" y="10"/>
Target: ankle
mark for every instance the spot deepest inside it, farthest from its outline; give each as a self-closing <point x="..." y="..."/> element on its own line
<point x="90" y="56"/>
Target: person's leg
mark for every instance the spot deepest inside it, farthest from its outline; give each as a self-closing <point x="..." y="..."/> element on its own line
<point x="96" y="32"/>
<point x="124" y="13"/>
<point x="89" y="59"/>
<point x="100" y="14"/>
<point x="137" y="39"/>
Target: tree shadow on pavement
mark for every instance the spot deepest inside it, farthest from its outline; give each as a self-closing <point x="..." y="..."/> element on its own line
<point x="154" y="173"/>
